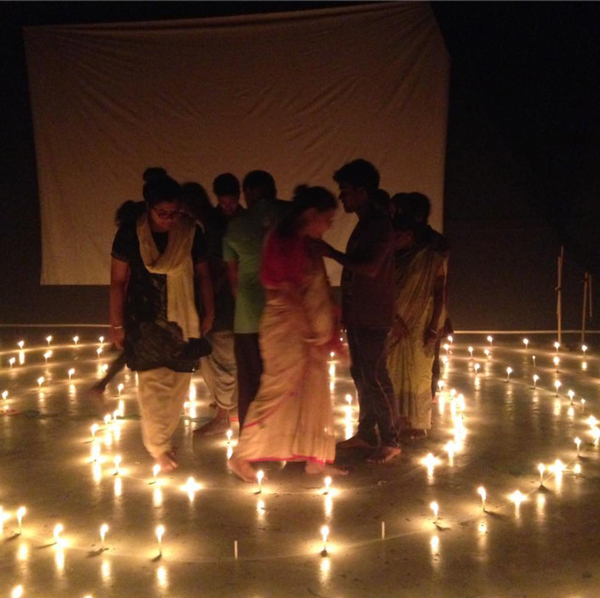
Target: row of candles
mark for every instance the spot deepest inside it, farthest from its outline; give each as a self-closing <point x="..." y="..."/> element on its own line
<point x="430" y="461"/>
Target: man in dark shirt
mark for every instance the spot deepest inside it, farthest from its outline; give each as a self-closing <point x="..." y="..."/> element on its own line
<point x="367" y="309"/>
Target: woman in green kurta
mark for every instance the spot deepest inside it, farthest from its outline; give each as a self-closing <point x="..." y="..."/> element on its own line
<point x="420" y="279"/>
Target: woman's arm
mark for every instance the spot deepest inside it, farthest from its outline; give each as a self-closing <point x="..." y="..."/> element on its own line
<point x="119" y="277"/>
<point x="202" y="275"/>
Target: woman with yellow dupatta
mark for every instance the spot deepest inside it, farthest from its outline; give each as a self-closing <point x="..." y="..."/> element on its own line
<point x="420" y="281"/>
<point x="291" y="418"/>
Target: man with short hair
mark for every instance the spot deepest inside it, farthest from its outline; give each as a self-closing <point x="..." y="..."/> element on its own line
<point x="242" y="249"/>
<point x="367" y="309"/>
<point x="219" y="369"/>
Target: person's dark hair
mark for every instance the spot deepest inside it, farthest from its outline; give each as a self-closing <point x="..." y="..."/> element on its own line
<point x="196" y="200"/>
<point x="260" y="179"/>
<point x="382" y="201"/>
<point x="403" y="222"/>
<point x="129" y="212"/>
<point x="226" y="184"/>
<point x="305" y="198"/>
<point x="159" y="187"/>
<point x="415" y="204"/>
<point x="359" y="173"/>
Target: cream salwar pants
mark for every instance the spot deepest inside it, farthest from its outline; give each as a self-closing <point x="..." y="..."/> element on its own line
<point x="161" y="395"/>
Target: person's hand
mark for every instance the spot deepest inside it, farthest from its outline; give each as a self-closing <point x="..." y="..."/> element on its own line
<point x="117" y="336"/>
<point x="398" y="331"/>
<point x="429" y="339"/>
<point x="322" y="248"/>
<point x="207" y="324"/>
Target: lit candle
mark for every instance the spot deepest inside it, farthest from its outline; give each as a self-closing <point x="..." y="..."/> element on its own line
<point x="557" y="385"/>
<point x="229" y="434"/>
<point x="440" y="385"/>
<point x="160" y="531"/>
<point x="584" y="349"/>
<point x="5" y="394"/>
<point x="481" y="491"/>
<point x="476" y="366"/>
<point x="535" y="379"/>
<point x="107" y="419"/>
<point x="577" y="469"/>
<point x="596" y="435"/>
<point x="533" y="359"/>
<point x="101" y="339"/>
<point x="582" y="404"/>
<point x="49" y="340"/>
<point x="40" y="381"/>
<point x="94" y="429"/>
<point x="327" y="482"/>
<point x="99" y="351"/>
<point x="103" y="530"/>
<point x="17" y="592"/>
<point x="450" y="447"/>
<point x="451" y="339"/>
<point x="490" y="340"/>
<point x="541" y="469"/>
<point x="71" y="372"/>
<point x="95" y="452"/>
<point x="556" y="361"/>
<point x="584" y="365"/>
<point x="571" y="395"/>
<point x="578" y="444"/>
<point x="332" y="354"/>
<point x="591" y="421"/>
<point x="526" y="343"/>
<point x="75" y="339"/>
<point x="508" y="373"/>
<point x="21" y="344"/>
<point x="324" y="536"/>
<point x="120" y="388"/>
<point x="117" y="465"/>
<point x="20" y="514"/>
<point x="487" y="353"/>
<point x="47" y="354"/>
<point x="447" y="348"/>
<point x="11" y="361"/>
<point x="471" y="352"/>
<point x="332" y="370"/>
<point x="517" y="498"/>
<point x="155" y="472"/>
<point x="557" y="346"/>
<point x="58" y="528"/>
<point x="435" y="508"/>
<point x="260" y="474"/>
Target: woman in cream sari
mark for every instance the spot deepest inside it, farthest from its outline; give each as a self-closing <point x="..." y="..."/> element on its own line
<point x="291" y="418"/>
<point x="157" y="254"/>
<point x="420" y="282"/>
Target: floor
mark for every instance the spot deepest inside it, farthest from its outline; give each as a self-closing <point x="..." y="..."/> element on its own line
<point x="222" y="538"/>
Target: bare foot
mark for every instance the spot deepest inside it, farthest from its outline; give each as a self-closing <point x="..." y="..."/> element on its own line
<point x="354" y="442"/>
<point x="219" y="425"/>
<point x="313" y="468"/>
<point x="385" y="454"/>
<point x="167" y="462"/>
<point x="242" y="469"/>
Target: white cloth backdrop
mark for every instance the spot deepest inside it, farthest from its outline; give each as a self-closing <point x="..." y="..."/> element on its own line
<point x="297" y="94"/>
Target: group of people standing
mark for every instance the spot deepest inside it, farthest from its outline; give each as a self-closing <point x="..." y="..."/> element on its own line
<point x="244" y="291"/>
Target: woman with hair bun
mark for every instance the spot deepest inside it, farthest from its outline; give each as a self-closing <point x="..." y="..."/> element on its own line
<point x="291" y="418"/>
<point x="157" y="255"/>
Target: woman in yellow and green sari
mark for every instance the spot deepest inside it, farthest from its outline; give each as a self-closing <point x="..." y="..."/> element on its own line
<point x="420" y="281"/>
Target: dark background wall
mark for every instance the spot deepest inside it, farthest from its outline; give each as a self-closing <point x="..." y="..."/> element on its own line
<point x="521" y="175"/>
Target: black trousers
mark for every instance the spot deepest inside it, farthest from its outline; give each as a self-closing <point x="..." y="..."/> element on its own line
<point x="249" y="370"/>
<point x="368" y="367"/>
